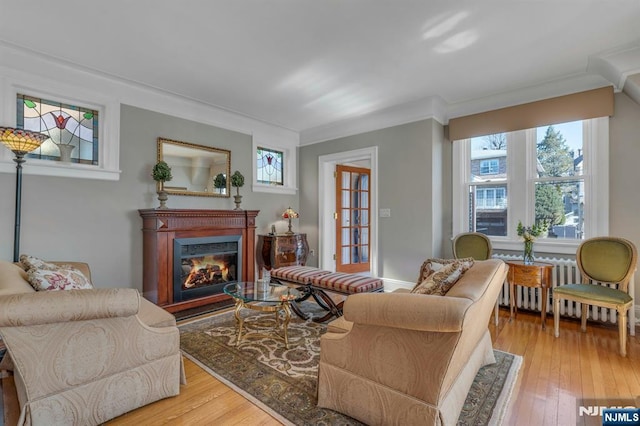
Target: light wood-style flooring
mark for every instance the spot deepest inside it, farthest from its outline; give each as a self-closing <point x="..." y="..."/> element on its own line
<point x="554" y="373"/>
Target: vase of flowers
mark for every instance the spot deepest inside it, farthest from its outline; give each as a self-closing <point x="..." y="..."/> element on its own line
<point x="162" y="173"/>
<point x="529" y="235"/>
<point x="237" y="180"/>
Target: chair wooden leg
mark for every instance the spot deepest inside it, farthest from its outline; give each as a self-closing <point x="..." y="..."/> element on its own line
<point x="556" y="315"/>
<point x="622" y="330"/>
<point x="497" y="309"/>
<point x="583" y="322"/>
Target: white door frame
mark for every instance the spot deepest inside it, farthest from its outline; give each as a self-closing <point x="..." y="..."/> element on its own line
<point x="327" y="205"/>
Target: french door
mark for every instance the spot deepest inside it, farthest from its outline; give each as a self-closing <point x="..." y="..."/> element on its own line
<point x="352" y="219"/>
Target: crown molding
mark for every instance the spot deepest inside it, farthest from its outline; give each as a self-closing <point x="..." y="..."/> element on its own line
<point x="616" y="65"/>
<point x="431" y="107"/>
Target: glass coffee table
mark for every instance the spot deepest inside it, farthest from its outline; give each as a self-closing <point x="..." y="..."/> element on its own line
<point x="275" y="298"/>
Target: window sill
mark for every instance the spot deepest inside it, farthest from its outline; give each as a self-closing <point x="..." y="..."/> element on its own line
<point x="540" y="246"/>
<point x="55" y="168"/>
<point x="256" y="187"/>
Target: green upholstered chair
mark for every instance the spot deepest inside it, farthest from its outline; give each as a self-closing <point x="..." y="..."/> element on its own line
<point x="477" y="246"/>
<point x="472" y="244"/>
<point x="607" y="265"/>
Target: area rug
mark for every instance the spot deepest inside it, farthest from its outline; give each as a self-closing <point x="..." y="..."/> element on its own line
<point x="283" y="382"/>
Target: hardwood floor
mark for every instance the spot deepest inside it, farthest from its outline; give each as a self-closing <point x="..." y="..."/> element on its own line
<point x="554" y="374"/>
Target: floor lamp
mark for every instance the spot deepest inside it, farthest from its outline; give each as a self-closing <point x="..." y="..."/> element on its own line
<point x="20" y="142"/>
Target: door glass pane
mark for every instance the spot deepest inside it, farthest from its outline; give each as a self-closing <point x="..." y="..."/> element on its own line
<point x="346" y="220"/>
<point x="364" y="236"/>
<point x="346" y="176"/>
<point x="345" y="235"/>
<point x="365" y="254"/>
<point x="364" y="218"/>
<point x="356" y="254"/>
<point x="345" y="255"/>
<point x="364" y="179"/>
<point x="355" y="217"/>
<point x="364" y="200"/>
<point x="355" y="235"/>
<point x="346" y="203"/>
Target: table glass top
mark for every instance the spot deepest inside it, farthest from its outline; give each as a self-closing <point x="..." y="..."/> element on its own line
<point x="257" y="292"/>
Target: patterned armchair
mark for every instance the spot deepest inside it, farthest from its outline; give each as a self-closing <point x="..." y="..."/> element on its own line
<point x="85" y="356"/>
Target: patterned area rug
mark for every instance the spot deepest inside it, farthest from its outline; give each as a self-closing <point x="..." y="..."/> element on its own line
<point x="283" y="382"/>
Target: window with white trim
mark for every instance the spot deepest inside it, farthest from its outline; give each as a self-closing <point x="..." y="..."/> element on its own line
<point x="274" y="168"/>
<point x="553" y="175"/>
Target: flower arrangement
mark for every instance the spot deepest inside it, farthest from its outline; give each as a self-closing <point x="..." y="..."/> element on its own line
<point x="530" y="233"/>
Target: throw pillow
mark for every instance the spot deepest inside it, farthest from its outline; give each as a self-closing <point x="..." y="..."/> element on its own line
<point x="67" y="278"/>
<point x="439" y="282"/>
<point x="29" y="262"/>
<point x="430" y="266"/>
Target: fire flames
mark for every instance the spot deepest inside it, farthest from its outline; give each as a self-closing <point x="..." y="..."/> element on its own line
<point x="206" y="270"/>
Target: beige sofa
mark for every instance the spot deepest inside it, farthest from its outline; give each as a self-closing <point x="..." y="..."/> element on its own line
<point x="402" y="358"/>
<point x="81" y="357"/>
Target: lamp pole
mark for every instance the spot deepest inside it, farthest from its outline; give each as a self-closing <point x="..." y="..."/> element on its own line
<point x="16" y="233"/>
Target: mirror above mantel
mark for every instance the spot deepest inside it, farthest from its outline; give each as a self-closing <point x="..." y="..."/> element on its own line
<point x="194" y="168"/>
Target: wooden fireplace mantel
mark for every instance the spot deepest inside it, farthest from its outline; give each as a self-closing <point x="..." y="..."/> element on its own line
<point x="161" y="227"/>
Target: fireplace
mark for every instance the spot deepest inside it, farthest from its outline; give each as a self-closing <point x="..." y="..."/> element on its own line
<point x="203" y="266"/>
<point x="190" y="254"/>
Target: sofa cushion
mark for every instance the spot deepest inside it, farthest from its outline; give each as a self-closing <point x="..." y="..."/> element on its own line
<point x="439" y="282"/>
<point x="62" y="278"/>
<point x="432" y="265"/>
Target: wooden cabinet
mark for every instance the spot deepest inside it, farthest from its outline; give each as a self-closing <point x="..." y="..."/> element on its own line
<point x="275" y="251"/>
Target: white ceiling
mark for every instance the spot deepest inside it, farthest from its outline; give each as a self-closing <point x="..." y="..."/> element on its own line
<point x="307" y="64"/>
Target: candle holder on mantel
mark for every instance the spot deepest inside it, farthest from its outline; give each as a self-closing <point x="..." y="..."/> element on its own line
<point x="289" y="213"/>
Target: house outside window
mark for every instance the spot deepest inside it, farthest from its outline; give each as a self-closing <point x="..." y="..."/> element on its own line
<point x="553" y="175"/>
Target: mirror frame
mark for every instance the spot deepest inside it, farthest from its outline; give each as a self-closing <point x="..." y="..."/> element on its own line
<point x="205" y="150"/>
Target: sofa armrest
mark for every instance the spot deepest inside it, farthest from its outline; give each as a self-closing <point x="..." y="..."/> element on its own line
<point x="48" y="307"/>
<point x="407" y="311"/>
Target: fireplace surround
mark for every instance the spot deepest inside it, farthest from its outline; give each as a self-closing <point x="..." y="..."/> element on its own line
<point x="189" y="254"/>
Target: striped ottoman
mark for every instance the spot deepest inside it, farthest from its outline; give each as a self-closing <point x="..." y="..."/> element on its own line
<point x="313" y="283"/>
<point x="347" y="283"/>
<point x="297" y="274"/>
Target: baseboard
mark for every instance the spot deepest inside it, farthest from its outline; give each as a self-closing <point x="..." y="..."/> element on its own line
<point x="390" y="284"/>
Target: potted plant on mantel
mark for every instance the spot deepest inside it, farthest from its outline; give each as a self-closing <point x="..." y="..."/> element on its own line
<point x="161" y="174"/>
<point x="237" y="181"/>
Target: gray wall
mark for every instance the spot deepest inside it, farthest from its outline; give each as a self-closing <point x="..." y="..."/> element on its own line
<point x="413" y="176"/>
<point x="415" y="168"/>
<point x="97" y="221"/>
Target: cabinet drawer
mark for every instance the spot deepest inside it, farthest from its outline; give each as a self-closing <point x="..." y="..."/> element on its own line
<point x="526" y="276"/>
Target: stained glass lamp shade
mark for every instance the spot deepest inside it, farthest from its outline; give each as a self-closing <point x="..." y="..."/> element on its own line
<point x="20" y="142"/>
<point x="289" y="213"/>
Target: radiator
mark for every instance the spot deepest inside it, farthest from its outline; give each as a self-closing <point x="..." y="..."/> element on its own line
<point x="565" y="271"/>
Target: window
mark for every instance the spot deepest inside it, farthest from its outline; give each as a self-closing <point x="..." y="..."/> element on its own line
<point x="66" y="125"/>
<point x="553" y="175"/>
<point x="269" y="167"/>
<point x="274" y="167"/>
<point x="90" y="121"/>
<point x="489" y="167"/>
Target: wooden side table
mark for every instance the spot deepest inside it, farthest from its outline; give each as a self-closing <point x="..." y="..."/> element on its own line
<point x="536" y="275"/>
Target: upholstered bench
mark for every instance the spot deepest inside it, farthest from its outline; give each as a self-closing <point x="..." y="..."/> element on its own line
<point x="313" y="282"/>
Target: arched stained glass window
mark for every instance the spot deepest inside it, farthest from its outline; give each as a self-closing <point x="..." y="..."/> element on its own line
<point x="270" y="166"/>
<point x="65" y="124"/>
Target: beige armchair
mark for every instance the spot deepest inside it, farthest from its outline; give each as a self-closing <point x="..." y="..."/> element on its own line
<point x="85" y="356"/>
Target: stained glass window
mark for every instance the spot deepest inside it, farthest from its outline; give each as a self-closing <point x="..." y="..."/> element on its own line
<point x="65" y="124"/>
<point x="270" y="166"/>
